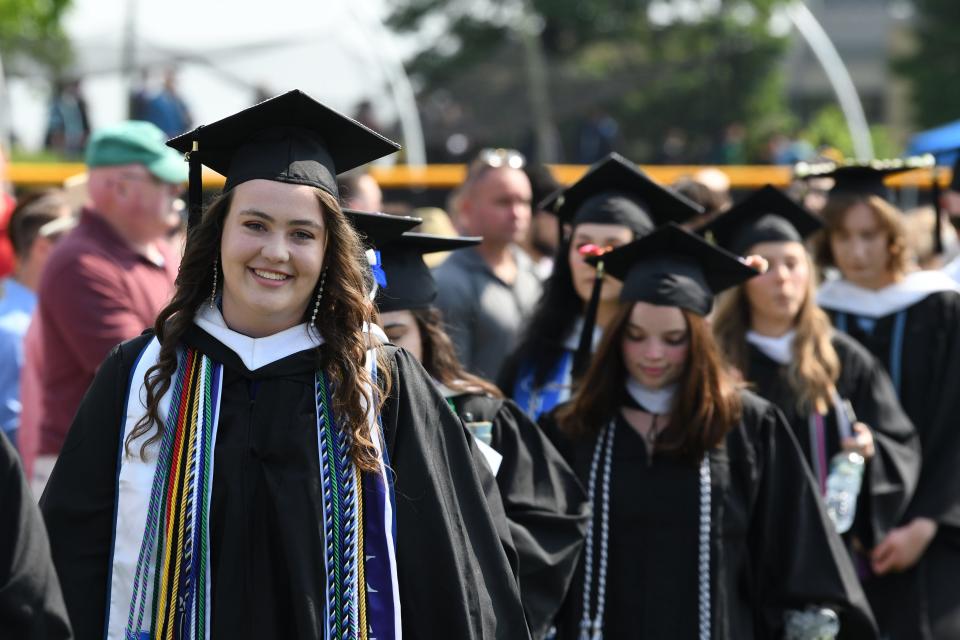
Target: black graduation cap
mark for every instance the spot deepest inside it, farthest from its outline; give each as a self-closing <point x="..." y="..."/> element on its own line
<point x="674" y="267"/>
<point x="865" y="178"/>
<point x="291" y="138"/>
<point x="616" y="191"/>
<point x="409" y="283"/>
<point x="376" y="229"/>
<point x="766" y="215"/>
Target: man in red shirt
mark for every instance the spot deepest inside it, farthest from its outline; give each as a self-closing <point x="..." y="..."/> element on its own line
<point x="108" y="279"/>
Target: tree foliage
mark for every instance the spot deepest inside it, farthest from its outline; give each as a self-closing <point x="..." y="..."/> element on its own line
<point x="933" y="68"/>
<point x="33" y="28"/>
<point x="693" y="66"/>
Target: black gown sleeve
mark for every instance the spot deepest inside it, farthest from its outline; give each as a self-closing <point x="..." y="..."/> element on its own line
<point x="798" y="558"/>
<point x="938" y="493"/>
<point x="455" y="579"/>
<point x="891" y="475"/>
<point x="31" y="604"/>
<point x="78" y="503"/>
<point x="547" y="510"/>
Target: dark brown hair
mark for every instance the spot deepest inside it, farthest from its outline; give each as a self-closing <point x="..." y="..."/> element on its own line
<point x="440" y="358"/>
<point x="888" y="217"/>
<point x="343" y="310"/>
<point x="705" y="408"/>
<point x="32" y="212"/>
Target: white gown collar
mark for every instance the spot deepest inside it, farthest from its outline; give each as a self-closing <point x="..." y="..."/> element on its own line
<point x="257" y="352"/>
<point x="779" y="350"/>
<point x="656" y="401"/>
<point x="841" y="295"/>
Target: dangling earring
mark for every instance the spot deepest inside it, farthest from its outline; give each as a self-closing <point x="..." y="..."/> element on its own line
<point x="316" y="305"/>
<point x="213" y="292"/>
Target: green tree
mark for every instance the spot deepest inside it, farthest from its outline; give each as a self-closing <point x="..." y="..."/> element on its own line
<point x="33" y="28"/>
<point x="651" y="64"/>
<point x="828" y="128"/>
<point x="933" y="68"/>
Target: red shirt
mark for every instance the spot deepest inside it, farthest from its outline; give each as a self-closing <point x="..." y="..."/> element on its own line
<point x="96" y="291"/>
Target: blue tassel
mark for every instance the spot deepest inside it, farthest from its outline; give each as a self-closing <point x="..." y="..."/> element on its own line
<point x="378" y="273"/>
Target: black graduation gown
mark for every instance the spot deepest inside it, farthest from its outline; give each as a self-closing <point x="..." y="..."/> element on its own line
<point x="265" y="522"/>
<point x="545" y="505"/>
<point x="891" y="476"/>
<point x="923" y="602"/>
<point x="773" y="547"/>
<point x="31" y="605"/>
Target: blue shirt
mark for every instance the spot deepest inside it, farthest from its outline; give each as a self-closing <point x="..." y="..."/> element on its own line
<point x="16" y="308"/>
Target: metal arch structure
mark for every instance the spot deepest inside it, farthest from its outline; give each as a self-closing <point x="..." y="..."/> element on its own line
<point x="839" y="77"/>
<point x="401" y="89"/>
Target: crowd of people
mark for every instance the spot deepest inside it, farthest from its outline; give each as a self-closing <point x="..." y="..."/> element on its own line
<point x="608" y="409"/>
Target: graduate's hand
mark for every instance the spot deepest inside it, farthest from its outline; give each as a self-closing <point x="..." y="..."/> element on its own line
<point x="861" y="441"/>
<point x="903" y="546"/>
<point x="757" y="262"/>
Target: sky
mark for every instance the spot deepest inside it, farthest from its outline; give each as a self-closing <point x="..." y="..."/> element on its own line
<point x="333" y="49"/>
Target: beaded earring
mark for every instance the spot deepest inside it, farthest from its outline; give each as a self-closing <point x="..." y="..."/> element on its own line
<point x="213" y="292"/>
<point x="316" y="305"/>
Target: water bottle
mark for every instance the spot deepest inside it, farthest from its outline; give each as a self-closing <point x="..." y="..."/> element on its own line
<point x="812" y="623"/>
<point x="843" y="488"/>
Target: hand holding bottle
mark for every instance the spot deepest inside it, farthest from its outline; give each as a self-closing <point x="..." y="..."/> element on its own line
<point x="861" y="441"/>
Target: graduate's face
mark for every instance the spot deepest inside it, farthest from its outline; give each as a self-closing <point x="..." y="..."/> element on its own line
<point x="861" y="247"/>
<point x="603" y="236"/>
<point x="402" y="330"/>
<point x="656" y="342"/>
<point x="271" y="252"/>
<point x="779" y="293"/>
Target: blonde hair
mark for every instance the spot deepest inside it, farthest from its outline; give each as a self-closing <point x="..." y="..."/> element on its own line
<point x="888" y="217"/>
<point x="815" y="366"/>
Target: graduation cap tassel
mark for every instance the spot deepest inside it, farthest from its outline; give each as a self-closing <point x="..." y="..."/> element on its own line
<point x="581" y="359"/>
<point x="195" y="187"/>
<point x="937" y="213"/>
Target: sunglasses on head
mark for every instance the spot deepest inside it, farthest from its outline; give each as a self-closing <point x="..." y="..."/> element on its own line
<point x="497" y="159"/>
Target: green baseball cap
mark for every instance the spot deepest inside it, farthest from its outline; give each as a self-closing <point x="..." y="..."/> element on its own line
<point x="136" y="142"/>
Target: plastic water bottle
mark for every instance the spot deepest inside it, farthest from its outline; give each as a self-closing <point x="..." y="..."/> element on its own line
<point x="811" y="624"/>
<point x="843" y="488"/>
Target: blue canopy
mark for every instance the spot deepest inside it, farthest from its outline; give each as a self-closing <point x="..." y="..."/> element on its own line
<point x="943" y="142"/>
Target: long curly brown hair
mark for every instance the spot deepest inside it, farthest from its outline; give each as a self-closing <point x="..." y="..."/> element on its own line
<point x="344" y="309"/>
<point x="705" y="408"/>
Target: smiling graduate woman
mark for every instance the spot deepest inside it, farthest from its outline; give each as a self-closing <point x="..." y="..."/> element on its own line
<point x="255" y="467"/>
<point x="705" y="522"/>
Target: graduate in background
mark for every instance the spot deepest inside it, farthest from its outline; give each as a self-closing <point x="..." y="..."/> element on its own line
<point x="259" y="467"/>
<point x="543" y="501"/>
<point x="705" y="523"/>
<point x="31" y="605"/>
<point x="909" y="321"/>
<point x="784" y="346"/>
<point x="611" y="205"/>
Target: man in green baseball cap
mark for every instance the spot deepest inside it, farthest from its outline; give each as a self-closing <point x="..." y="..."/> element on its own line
<point x="136" y="142"/>
<point x="106" y="280"/>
